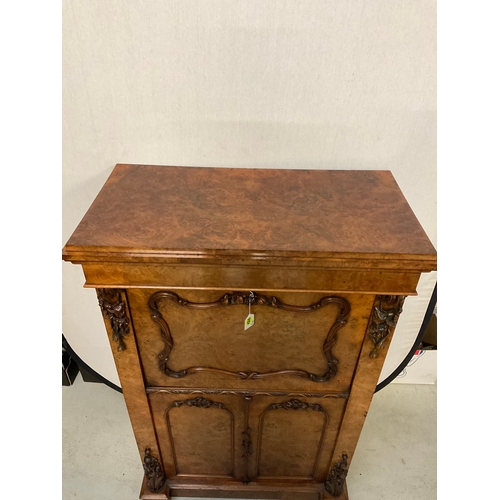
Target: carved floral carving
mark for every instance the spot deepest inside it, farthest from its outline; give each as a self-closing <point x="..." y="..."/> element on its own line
<point x="295" y="404"/>
<point x="115" y="310"/>
<point x="384" y="318"/>
<point x="247" y="443"/>
<point x="247" y="440"/>
<point x="155" y="478"/>
<point x="335" y="481"/>
<point x="199" y="402"/>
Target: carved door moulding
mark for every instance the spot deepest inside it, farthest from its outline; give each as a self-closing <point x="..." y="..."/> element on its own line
<point x="231" y="299"/>
<point x="238" y="392"/>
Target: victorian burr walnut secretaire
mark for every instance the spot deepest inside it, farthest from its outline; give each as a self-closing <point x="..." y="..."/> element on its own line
<point x="249" y="312"/>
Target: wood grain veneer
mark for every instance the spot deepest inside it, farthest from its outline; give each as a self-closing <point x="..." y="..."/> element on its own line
<point x="180" y="255"/>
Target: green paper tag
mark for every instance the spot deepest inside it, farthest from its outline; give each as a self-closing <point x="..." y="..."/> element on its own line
<point x="250" y="320"/>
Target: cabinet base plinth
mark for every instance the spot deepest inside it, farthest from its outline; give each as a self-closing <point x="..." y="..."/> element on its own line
<point x="231" y="489"/>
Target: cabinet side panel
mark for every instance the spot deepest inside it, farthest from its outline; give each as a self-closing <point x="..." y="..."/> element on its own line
<point x="129" y="370"/>
<point x="385" y="312"/>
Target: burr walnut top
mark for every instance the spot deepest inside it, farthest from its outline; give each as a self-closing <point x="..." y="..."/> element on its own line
<point x="148" y="213"/>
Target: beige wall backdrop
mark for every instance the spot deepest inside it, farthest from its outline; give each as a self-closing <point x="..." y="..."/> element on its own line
<point x="345" y="84"/>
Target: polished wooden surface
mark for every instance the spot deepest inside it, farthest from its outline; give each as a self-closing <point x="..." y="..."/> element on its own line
<point x="279" y="340"/>
<point x="158" y="212"/>
<point x="264" y="489"/>
<point x="129" y="370"/>
<point x="323" y="259"/>
<point x="264" y="276"/>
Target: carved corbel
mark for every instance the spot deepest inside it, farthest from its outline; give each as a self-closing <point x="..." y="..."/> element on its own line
<point x="155" y="478"/>
<point x="384" y="319"/>
<point x="335" y="481"/>
<point x="115" y="310"/>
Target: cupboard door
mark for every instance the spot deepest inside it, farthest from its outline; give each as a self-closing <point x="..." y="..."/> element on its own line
<point x="199" y="435"/>
<point x="293" y="437"/>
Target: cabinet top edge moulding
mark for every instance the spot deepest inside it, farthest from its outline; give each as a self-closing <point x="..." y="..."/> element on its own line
<point x="345" y="219"/>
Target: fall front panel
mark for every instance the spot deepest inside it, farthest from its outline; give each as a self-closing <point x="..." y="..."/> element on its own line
<point x="299" y="341"/>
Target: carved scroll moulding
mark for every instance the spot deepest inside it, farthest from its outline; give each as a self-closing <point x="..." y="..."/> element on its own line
<point x="231" y="299"/>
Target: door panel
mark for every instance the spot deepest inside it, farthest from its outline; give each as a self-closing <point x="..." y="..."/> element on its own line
<point x="293" y="436"/>
<point x="197" y="435"/>
<point x="299" y="341"/>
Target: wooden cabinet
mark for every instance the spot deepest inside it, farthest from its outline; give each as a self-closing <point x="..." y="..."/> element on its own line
<point x="182" y="257"/>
